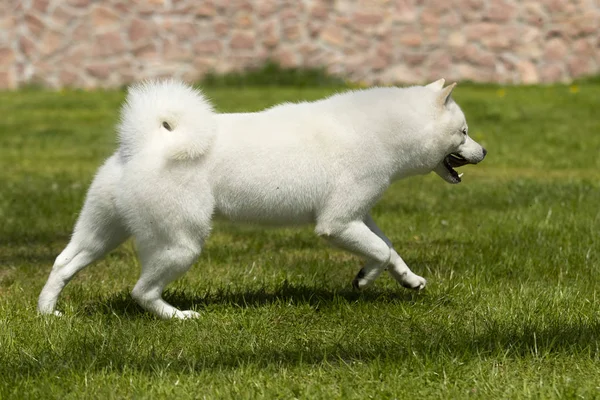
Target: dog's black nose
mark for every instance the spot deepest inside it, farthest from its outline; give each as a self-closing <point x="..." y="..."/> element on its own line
<point x="484" y="151"/>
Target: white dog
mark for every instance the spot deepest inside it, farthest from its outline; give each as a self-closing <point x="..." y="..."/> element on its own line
<point x="325" y="162"/>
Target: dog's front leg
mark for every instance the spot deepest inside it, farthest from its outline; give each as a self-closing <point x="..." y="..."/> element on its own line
<point x="397" y="268"/>
<point x="356" y="237"/>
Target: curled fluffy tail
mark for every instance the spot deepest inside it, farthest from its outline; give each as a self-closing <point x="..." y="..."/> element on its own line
<point x="168" y="119"/>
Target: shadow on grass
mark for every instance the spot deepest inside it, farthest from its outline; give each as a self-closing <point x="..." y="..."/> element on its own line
<point x="123" y="305"/>
<point x="423" y="344"/>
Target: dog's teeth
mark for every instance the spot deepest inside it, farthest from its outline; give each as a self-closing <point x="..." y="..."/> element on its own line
<point x="461" y="174"/>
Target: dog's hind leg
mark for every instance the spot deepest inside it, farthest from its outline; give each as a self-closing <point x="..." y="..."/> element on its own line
<point x="79" y="253"/>
<point x="99" y="229"/>
<point x="162" y="264"/>
<point x="397" y="268"/>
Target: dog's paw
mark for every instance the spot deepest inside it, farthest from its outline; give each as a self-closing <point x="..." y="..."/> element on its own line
<point x="359" y="282"/>
<point x="187" y="314"/>
<point x="408" y="279"/>
<point x="414" y="282"/>
<point x="50" y="313"/>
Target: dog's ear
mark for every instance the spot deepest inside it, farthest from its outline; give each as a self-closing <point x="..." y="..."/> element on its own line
<point x="444" y="96"/>
<point x="437" y="85"/>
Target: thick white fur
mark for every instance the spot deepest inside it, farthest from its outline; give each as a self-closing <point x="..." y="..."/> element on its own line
<point x="325" y="162"/>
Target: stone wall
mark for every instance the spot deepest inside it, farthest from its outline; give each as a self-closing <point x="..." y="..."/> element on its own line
<point x="87" y="43"/>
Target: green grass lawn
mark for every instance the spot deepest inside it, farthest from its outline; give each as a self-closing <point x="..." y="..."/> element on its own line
<point x="511" y="256"/>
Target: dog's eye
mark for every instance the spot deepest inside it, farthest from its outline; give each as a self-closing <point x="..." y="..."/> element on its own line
<point x="464" y="131"/>
<point x="166" y="125"/>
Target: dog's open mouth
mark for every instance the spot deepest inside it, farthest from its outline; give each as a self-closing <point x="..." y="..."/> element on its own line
<point x="455" y="160"/>
<point x="452" y="161"/>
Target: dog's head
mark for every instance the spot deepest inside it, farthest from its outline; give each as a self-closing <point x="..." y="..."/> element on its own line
<point x="455" y="146"/>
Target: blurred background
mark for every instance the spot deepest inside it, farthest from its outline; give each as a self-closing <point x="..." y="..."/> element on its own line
<point x="87" y="43"/>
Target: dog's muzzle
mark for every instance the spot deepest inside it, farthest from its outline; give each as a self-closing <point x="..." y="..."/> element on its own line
<point x="455" y="160"/>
